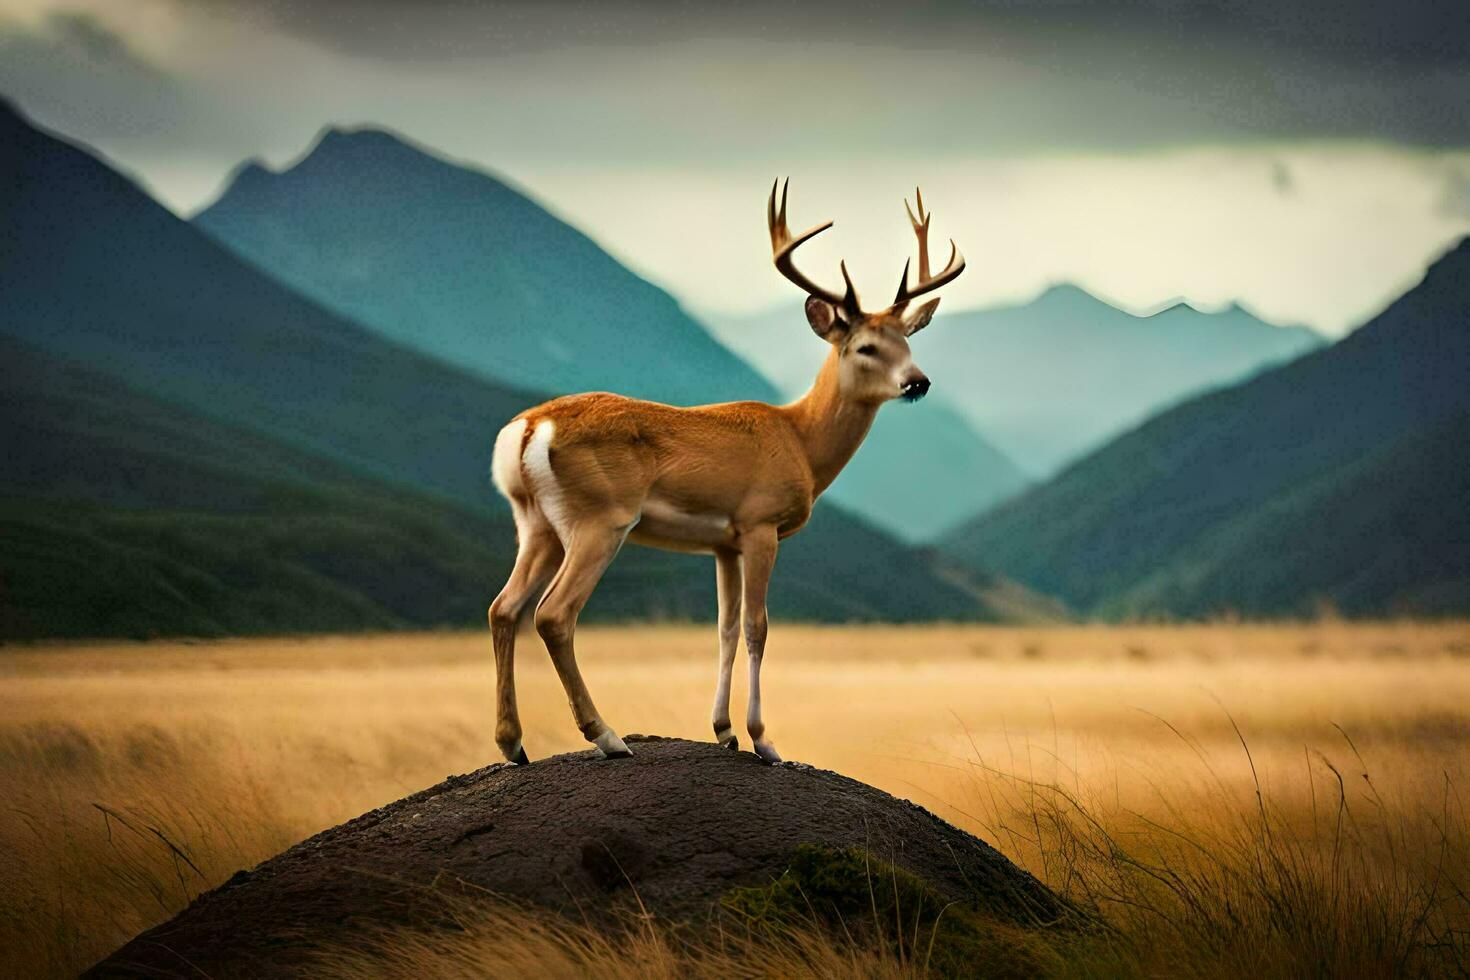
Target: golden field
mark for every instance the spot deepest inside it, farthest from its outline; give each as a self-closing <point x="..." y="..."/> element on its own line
<point x="1271" y="800"/>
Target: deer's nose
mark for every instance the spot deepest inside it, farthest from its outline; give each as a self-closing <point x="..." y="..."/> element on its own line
<point x="915" y="388"/>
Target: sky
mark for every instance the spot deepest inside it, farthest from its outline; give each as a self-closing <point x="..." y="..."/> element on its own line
<point x="1304" y="159"/>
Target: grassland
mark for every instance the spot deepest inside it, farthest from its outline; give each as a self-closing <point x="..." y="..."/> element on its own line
<point x="1236" y="799"/>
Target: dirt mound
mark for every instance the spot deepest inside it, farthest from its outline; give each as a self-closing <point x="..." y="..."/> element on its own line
<point x="679" y="826"/>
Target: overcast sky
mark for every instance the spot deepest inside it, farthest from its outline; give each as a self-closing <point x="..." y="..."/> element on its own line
<point x="1304" y="159"/>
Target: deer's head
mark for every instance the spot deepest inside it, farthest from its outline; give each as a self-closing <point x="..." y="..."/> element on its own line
<point x="875" y="363"/>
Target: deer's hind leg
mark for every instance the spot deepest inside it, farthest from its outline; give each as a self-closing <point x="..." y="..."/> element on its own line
<point x="590" y="548"/>
<point x="540" y="553"/>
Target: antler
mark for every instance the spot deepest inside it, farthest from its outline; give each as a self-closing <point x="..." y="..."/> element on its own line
<point x="921" y="232"/>
<point x="783" y="244"/>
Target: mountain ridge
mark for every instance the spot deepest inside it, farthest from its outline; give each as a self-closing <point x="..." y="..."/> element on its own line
<point x="460" y="264"/>
<point x="1050" y="379"/>
<point x="1144" y="524"/>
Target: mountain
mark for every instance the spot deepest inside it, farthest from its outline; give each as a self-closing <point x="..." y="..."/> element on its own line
<point x="1053" y="378"/>
<point x="1340" y="479"/>
<point x="228" y="434"/>
<point x="452" y="262"/>
<point x="94" y="270"/>
<point x="922" y="470"/>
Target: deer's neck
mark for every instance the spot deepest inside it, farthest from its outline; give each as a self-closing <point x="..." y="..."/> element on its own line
<point x="831" y="427"/>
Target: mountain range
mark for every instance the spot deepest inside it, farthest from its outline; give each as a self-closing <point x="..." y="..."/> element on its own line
<point x="1048" y="380"/>
<point x="195" y="447"/>
<point x="183" y="426"/>
<point x="453" y="262"/>
<point x="1017" y="392"/>
<point x="1338" y="480"/>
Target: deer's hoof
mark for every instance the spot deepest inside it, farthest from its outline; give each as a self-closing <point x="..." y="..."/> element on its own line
<point x="611" y="746"/>
<point x="767" y="752"/>
<point x="520" y="758"/>
<point x="727" y="740"/>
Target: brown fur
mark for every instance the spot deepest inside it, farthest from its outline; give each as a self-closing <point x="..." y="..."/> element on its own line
<point x="753" y="463"/>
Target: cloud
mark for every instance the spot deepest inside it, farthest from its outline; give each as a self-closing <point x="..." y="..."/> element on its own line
<point x="1095" y="75"/>
<point x="1351" y="32"/>
<point x="71" y="64"/>
<point x="1146" y="149"/>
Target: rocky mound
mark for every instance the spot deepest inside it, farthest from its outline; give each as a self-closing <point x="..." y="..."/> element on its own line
<point x="676" y="827"/>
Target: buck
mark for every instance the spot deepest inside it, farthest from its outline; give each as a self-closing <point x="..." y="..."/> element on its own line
<point x="585" y="472"/>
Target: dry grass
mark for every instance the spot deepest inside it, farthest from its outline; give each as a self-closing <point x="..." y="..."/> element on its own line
<point x="499" y="940"/>
<point x="1237" y="799"/>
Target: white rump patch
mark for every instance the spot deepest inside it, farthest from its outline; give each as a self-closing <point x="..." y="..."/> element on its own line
<point x="505" y="462"/>
<point x="543" y="485"/>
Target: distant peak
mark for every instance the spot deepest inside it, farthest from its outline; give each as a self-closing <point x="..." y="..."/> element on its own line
<point x="1067" y="295"/>
<point x="1173" y="305"/>
<point x="251" y="175"/>
<point x="252" y="169"/>
<point x="361" y="149"/>
<point x="1063" y="291"/>
<point x="334" y="139"/>
<point x="333" y="134"/>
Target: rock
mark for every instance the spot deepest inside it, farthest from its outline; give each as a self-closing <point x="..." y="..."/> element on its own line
<point x="676" y="827"/>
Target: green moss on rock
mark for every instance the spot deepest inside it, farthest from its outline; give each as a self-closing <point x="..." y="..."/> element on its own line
<point x="853" y="893"/>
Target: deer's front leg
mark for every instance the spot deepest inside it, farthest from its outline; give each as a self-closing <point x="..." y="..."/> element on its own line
<point x="727" y="588"/>
<point x="758" y="554"/>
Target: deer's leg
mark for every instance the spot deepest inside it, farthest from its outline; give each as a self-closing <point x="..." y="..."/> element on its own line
<point x="589" y="551"/>
<point x="758" y="552"/>
<point x="536" y="561"/>
<point x="727" y="587"/>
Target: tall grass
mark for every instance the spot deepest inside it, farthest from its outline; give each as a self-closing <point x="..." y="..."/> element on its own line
<point x="1210" y="883"/>
<point x="1263" y="844"/>
<point x="497" y="939"/>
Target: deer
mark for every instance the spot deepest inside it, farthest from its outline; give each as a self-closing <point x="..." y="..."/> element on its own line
<point x="584" y="473"/>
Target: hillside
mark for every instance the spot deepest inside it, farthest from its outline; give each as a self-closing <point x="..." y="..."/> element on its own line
<point x="99" y="276"/>
<point x="1049" y="380"/>
<point x="1339" y="478"/>
<point x="923" y="468"/>
<point x="126" y="516"/>
<point x="452" y="262"/>
<point x="94" y="270"/>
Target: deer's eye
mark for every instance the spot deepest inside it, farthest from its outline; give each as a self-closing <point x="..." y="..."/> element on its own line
<point x="867" y="350"/>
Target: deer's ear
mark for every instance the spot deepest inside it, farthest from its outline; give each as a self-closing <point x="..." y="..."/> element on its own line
<point x="823" y="317"/>
<point x="919" y="319"/>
